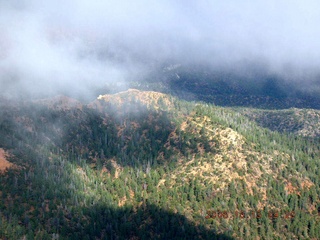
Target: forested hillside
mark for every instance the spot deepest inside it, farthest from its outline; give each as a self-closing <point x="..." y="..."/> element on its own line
<point x="252" y="89"/>
<point x="146" y="165"/>
<point x="304" y="122"/>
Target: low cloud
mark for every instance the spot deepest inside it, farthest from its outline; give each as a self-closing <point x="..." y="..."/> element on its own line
<point x="73" y="46"/>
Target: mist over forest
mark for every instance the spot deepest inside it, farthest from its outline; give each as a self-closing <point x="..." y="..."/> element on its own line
<point x="162" y="119"/>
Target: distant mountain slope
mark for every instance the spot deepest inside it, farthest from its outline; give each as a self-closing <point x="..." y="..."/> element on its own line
<point x="304" y="122"/>
<point x="252" y="88"/>
<point x="145" y="165"/>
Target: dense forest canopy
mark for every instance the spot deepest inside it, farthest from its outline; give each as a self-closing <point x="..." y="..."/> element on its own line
<point x="146" y="165"/>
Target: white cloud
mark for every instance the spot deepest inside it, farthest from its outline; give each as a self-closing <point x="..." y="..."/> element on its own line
<point x="61" y="44"/>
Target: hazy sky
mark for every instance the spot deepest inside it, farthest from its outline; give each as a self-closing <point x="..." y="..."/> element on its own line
<point x="53" y="45"/>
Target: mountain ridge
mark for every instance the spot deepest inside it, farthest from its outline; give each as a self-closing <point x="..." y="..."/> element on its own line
<point x="147" y="157"/>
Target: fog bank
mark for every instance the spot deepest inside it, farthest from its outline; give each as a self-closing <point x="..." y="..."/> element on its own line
<point x="75" y="46"/>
